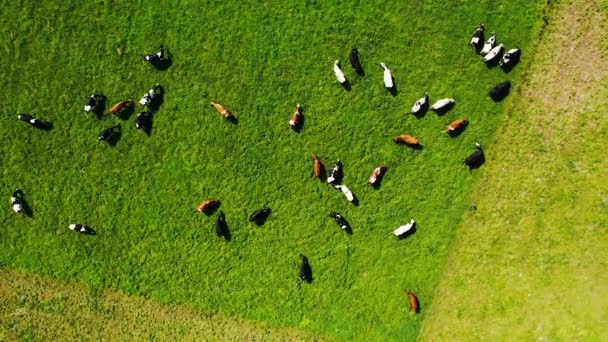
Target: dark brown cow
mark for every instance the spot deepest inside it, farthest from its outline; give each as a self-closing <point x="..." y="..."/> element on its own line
<point x="120" y="106"/>
<point x="317" y="167"/>
<point x="208" y="206"/>
<point x="413" y="301"/>
<point x="407" y="139"/>
<point x="456" y="127"/>
<point x="296" y="118"/>
<point x="220" y="109"/>
<point x="376" y="176"/>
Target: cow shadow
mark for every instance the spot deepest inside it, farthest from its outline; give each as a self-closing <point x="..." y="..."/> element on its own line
<point x="212" y="209"/>
<point x="233" y="120"/>
<point x="458" y="131"/>
<point x="306" y="269"/>
<point x="227" y="235"/>
<point x="360" y="71"/>
<point x="507" y="68"/>
<point x="45" y="126"/>
<point x="158" y="101"/>
<point x="323" y="176"/>
<point x="99" y="109"/>
<point x="494" y="62"/>
<point x="408" y="233"/>
<point x="422" y="112"/>
<point x="346" y="85"/>
<point x="115" y="138"/>
<point x="355" y="200"/>
<point x="150" y="124"/>
<point x="378" y="183"/>
<point x="298" y="127"/>
<point x="393" y="90"/>
<point x="442" y="111"/>
<point x="126" y="113"/>
<point x="164" y="64"/>
<point x="417" y="147"/>
<point x="259" y="221"/>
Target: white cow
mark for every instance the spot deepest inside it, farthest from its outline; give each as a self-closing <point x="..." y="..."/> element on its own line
<point x="346" y="191"/>
<point x="388" y="77"/>
<point x="405" y="228"/>
<point x="442" y="104"/>
<point x="339" y="74"/>
<point x="423" y="101"/>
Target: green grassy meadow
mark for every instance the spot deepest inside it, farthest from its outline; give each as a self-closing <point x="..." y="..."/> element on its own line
<point x="259" y="59"/>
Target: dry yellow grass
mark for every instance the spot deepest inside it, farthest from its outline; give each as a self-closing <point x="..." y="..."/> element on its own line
<point x="44" y="309"/>
<point x="532" y="262"/>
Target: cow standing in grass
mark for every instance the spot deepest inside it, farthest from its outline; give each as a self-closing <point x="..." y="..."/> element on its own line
<point x="414" y="305"/>
<point x="476" y="158"/>
<point x="296" y="118"/>
<point x="222" y="110"/>
<point x="355" y="62"/>
<point x="305" y="270"/>
<point x="317" y="167"/>
<point x="477" y="39"/>
<point x="81" y="228"/>
<point x="34" y="122"/>
<point x="407" y="139"/>
<point x="17" y="201"/>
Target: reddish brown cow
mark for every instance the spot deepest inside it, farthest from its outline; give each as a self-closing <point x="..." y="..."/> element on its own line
<point x="296" y="118"/>
<point x="456" y="126"/>
<point x="407" y="140"/>
<point x="317" y="167"/>
<point x="120" y="106"/>
<point x="413" y="301"/>
<point x="208" y="206"/>
<point x="220" y="109"/>
<point x="376" y="176"/>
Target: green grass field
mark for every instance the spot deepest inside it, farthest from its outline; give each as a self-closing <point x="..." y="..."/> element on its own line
<point x="258" y="59"/>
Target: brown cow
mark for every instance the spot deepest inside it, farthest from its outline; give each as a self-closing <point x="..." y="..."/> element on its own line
<point x="208" y="206"/>
<point x="296" y="118"/>
<point x="413" y="301"/>
<point x="407" y="140"/>
<point x="220" y="109"/>
<point x="456" y="127"/>
<point x="121" y="106"/>
<point x="376" y="176"/>
<point x="317" y="167"/>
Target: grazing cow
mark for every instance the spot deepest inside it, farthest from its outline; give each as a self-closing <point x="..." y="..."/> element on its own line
<point x="108" y="133"/>
<point x="414" y="307"/>
<point x="500" y="91"/>
<point x="341" y="221"/>
<point x="259" y="216"/>
<point x="338" y="72"/>
<point x="220" y="109"/>
<point x="336" y="173"/>
<point x="144" y="121"/>
<point x="317" y="167"/>
<point x="346" y="191"/>
<point x="510" y="58"/>
<point x="376" y="176"/>
<point x="305" y="270"/>
<point x="221" y="227"/>
<point x="493" y="54"/>
<point x="17" y="201"/>
<point x="296" y="118"/>
<point x="388" y="77"/>
<point x="405" y="228"/>
<point x="81" y="228"/>
<point x="208" y="206"/>
<point x="421" y="105"/>
<point x="95" y="102"/>
<point x="477" y="38"/>
<point x="456" y="127"/>
<point x="489" y="45"/>
<point x="443" y="105"/>
<point x="34" y="122"/>
<point x="476" y="158"/>
<point x="355" y="62"/>
<point x="121" y="106"/>
<point x="151" y="96"/>
<point x="156" y="59"/>
<point x="407" y="139"/>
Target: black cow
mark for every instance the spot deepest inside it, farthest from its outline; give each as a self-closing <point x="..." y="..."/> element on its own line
<point x="500" y="91"/>
<point x="341" y="221"/>
<point x="95" y="103"/>
<point x="144" y="121"/>
<point x="34" y="122"/>
<point x="221" y="227"/>
<point x="108" y="133"/>
<point x="81" y="228"/>
<point x="476" y="159"/>
<point x="17" y="201"/>
<point x="355" y="62"/>
<point x="477" y="39"/>
<point x="336" y="173"/>
<point x="259" y="216"/>
<point x="305" y="270"/>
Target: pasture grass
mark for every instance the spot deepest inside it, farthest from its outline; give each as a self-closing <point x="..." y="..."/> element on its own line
<point x="531" y="262"/>
<point x="259" y="59"/>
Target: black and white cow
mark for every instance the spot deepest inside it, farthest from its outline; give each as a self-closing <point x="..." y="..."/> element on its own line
<point x="494" y="53"/>
<point x="422" y="105"/>
<point x="259" y="216"/>
<point x="17" y="201"/>
<point x="221" y="227"/>
<point x="336" y="173"/>
<point x="489" y="45"/>
<point x="305" y="270"/>
<point x="477" y="39"/>
<point x="144" y="121"/>
<point x="95" y="102"/>
<point x="108" y="133"/>
<point x="151" y="96"/>
<point x="355" y="62"/>
<point x="476" y="158"/>
<point x="510" y="58"/>
<point x="500" y="91"/>
<point x="81" y="228"/>
<point x="157" y="59"/>
<point x="340" y="220"/>
<point x="443" y="105"/>
<point x="34" y="122"/>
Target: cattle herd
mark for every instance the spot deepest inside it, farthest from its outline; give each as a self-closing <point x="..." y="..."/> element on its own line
<point x="491" y="53"/>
